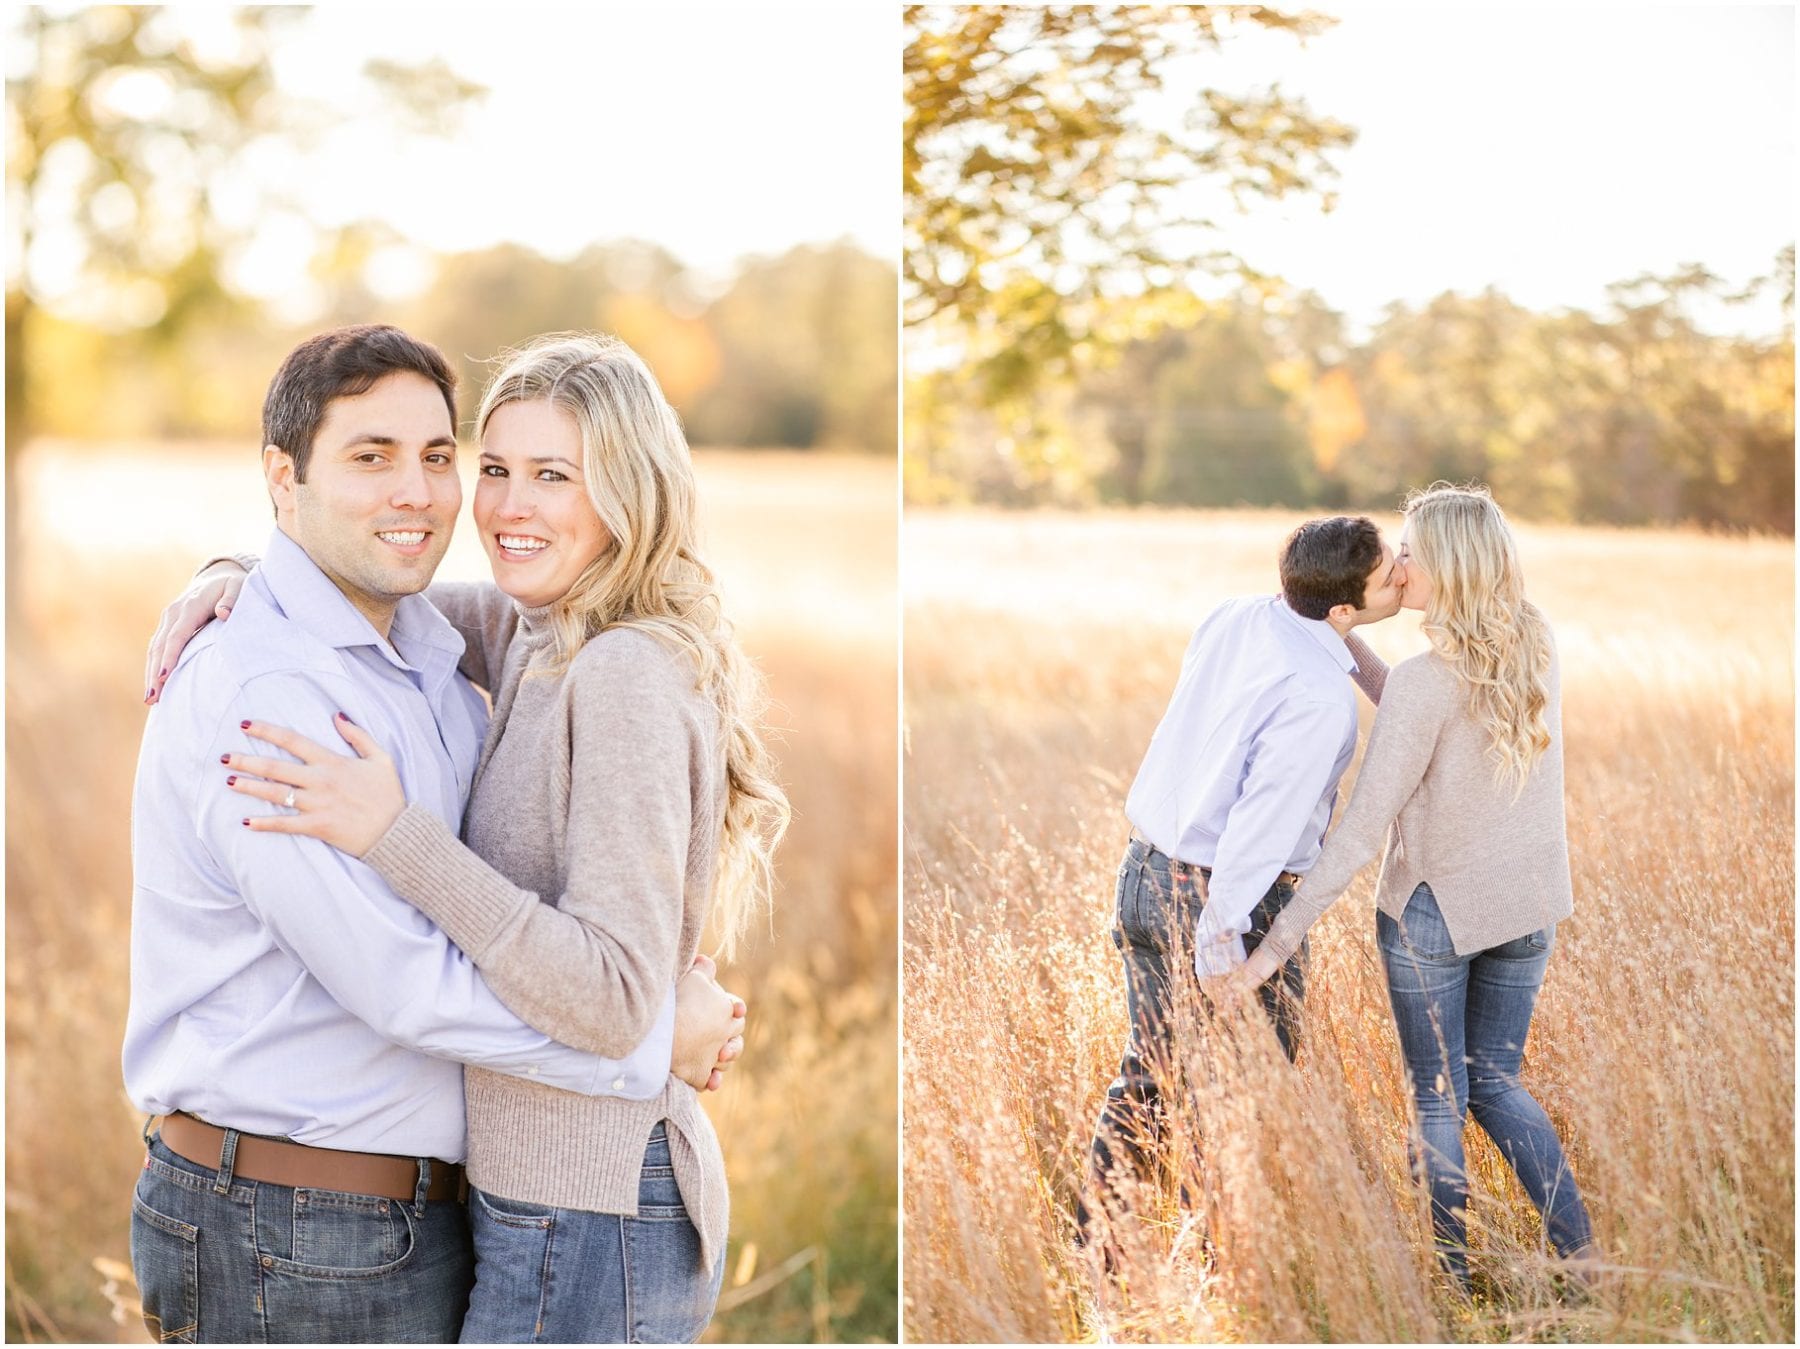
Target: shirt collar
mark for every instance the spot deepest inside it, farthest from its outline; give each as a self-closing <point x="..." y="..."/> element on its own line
<point x="1322" y="633"/>
<point x="418" y="638"/>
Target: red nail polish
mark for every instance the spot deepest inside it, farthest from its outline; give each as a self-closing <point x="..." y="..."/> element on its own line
<point x="231" y="779"/>
<point x="345" y="716"/>
<point x="224" y="758"/>
<point x="243" y="726"/>
<point x="246" y="821"/>
<point x="162" y="674"/>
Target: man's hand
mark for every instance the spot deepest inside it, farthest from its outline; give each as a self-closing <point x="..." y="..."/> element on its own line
<point x="709" y="1027"/>
<point x="212" y="595"/>
<point x="1237" y="988"/>
<point x="1224" y="992"/>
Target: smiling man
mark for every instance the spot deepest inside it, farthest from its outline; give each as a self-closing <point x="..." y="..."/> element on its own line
<point x="300" y="1027"/>
<point x="369" y="489"/>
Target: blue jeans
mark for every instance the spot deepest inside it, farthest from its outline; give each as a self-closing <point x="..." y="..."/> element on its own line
<point x="223" y="1260"/>
<point x="566" y="1276"/>
<point x="1462" y="1022"/>
<point x="1158" y="903"/>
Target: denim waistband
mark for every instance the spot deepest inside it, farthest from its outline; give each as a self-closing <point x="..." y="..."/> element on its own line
<point x="1142" y="850"/>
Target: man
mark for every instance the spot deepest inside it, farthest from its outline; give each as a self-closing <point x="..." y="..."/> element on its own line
<point x="301" y="1027"/>
<point x="1230" y="805"/>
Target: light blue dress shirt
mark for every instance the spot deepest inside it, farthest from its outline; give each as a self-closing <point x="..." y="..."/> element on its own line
<point x="278" y="986"/>
<point x="1242" y="773"/>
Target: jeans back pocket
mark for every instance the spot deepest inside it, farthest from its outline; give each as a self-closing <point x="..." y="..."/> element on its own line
<point x="165" y="1258"/>
<point x="659" y="1195"/>
<point x="1422" y="934"/>
<point x="336" y="1235"/>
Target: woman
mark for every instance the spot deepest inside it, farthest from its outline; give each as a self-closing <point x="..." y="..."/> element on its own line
<point x="1465" y="762"/>
<point x="623" y="793"/>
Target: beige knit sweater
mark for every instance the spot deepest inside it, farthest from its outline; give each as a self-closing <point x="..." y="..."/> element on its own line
<point x="592" y="832"/>
<point x="1499" y="866"/>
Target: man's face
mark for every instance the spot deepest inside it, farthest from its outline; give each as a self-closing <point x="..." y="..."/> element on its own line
<point x="1382" y="589"/>
<point x="381" y="492"/>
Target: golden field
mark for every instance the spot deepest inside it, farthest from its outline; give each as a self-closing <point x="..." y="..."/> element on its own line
<point x="1040" y="652"/>
<point x="806" y="547"/>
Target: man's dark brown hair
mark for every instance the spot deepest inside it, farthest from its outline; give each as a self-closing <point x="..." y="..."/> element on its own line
<point x="1324" y="563"/>
<point x="341" y="364"/>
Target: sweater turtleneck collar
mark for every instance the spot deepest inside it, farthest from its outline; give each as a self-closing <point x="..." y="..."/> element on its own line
<point x="535" y="620"/>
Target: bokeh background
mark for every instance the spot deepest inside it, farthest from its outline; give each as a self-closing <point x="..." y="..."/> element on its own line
<point x="189" y="192"/>
<point x="1176" y="278"/>
<point x="1220" y="256"/>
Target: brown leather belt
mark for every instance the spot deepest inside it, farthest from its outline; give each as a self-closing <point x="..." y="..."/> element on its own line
<point x="1286" y="877"/>
<point x="279" y="1162"/>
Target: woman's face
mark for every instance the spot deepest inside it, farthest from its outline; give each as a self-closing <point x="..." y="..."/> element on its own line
<point x="531" y="503"/>
<point x="1416" y="593"/>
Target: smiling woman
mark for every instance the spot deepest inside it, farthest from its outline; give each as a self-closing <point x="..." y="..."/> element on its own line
<point x="539" y="528"/>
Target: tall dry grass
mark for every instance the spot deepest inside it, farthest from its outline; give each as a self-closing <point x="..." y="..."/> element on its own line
<point x="806" y="546"/>
<point x="1040" y="652"/>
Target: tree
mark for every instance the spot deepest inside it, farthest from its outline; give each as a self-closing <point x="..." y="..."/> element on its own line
<point x="127" y="141"/>
<point x="1197" y="419"/>
<point x="806" y="353"/>
<point x="504" y="295"/>
<point x="1047" y="216"/>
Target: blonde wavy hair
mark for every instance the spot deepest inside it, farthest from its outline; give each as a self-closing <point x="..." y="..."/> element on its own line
<point x="640" y="481"/>
<point x="1479" y="620"/>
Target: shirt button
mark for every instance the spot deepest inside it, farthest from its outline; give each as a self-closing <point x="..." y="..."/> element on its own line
<point x="618" y="1084"/>
<point x="531" y="1071"/>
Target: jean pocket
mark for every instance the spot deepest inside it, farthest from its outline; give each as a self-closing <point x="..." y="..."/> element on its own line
<point x="659" y="1194"/>
<point x="346" y="1236"/>
<point x="670" y="1295"/>
<point x="165" y="1259"/>
<point x="516" y="1213"/>
<point x="1531" y="947"/>
<point x="1422" y="933"/>
<point x="1165" y="905"/>
<point x="1125" y="895"/>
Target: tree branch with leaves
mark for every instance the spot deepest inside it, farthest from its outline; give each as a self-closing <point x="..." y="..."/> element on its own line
<point x="1048" y="208"/>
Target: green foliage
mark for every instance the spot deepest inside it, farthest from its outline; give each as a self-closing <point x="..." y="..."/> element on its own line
<point x="1632" y="415"/>
<point x="124" y="136"/>
<point x="797" y="351"/>
<point x="1037" y="193"/>
<point x="807" y="350"/>
<point x="1198" y="420"/>
<point x="498" y="297"/>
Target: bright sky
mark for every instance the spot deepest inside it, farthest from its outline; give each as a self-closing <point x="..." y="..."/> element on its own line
<point x="1547" y="151"/>
<point x="714" y="130"/>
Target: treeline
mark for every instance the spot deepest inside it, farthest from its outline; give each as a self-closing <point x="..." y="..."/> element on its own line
<point x="796" y="351"/>
<point x="1632" y="415"/>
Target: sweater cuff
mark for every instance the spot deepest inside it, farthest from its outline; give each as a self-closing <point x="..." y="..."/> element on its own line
<point x="1285" y="935"/>
<point x="434" y="871"/>
<point x="248" y="561"/>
